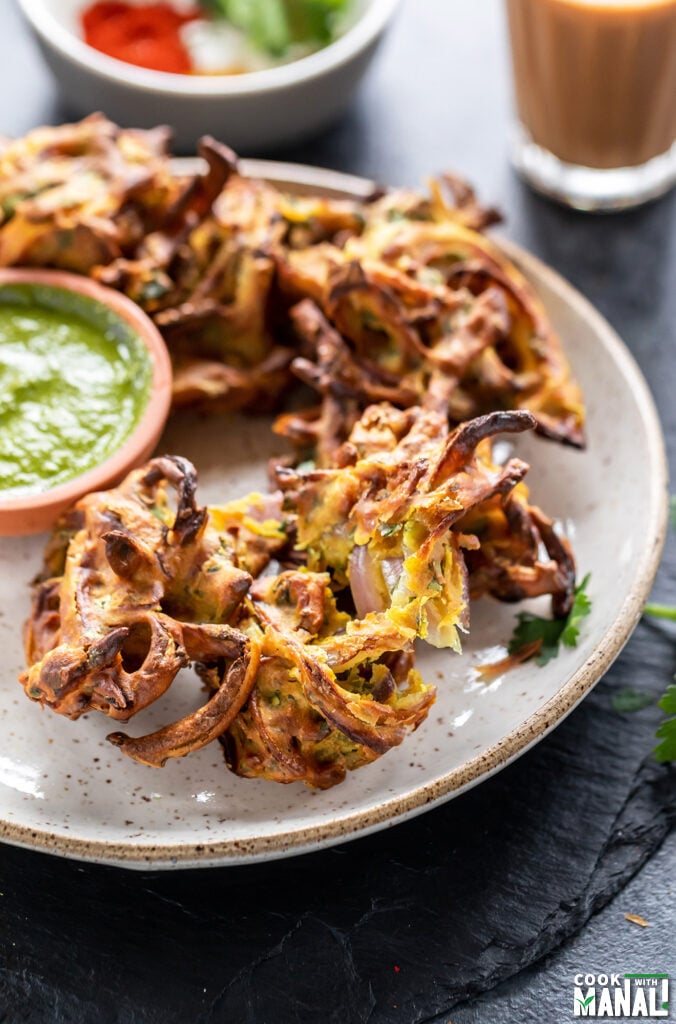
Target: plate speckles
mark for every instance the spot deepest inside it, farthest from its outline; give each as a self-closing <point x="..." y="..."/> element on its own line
<point x="194" y="812"/>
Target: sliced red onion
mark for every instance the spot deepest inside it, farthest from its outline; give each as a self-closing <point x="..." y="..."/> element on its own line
<point x="270" y="507"/>
<point x="363" y="575"/>
<point x="391" y="569"/>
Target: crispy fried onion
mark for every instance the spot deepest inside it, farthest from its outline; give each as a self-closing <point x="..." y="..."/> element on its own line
<point x="142" y="590"/>
<point x="79" y="196"/>
<point x="418" y="306"/>
<point x="325" y="706"/>
<point x="298" y="609"/>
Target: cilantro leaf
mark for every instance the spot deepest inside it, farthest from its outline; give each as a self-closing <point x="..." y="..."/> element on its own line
<point x="666" y="732"/>
<point x="581" y="608"/>
<point x="533" y="628"/>
<point x="551" y="633"/>
<point x="666" y="750"/>
<point x="668" y="701"/>
<point x="627" y="701"/>
<point x="387" y="529"/>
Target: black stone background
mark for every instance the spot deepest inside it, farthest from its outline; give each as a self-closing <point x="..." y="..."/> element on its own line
<point x="405" y="926"/>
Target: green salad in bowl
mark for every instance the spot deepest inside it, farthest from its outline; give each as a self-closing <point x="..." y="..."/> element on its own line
<point x="212" y="37"/>
<point x="276" y="26"/>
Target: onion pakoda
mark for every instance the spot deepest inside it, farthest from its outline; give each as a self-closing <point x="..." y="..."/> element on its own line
<point x="426" y="308"/>
<point x="299" y="609"/>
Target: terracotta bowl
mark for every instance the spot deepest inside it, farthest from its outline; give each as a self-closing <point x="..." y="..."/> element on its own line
<point x="32" y="513"/>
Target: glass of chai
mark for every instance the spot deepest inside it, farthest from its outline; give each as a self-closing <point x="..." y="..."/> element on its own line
<point x="595" y="84"/>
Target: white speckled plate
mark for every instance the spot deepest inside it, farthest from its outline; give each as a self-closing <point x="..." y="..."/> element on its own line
<point x="65" y="790"/>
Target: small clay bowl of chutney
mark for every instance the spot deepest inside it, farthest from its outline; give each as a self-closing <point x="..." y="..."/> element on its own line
<point x="85" y="390"/>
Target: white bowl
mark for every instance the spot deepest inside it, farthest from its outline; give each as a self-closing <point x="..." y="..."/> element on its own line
<point x="253" y="111"/>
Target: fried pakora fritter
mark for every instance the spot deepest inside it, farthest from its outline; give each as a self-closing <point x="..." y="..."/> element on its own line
<point x="406" y="508"/>
<point x="426" y="308"/>
<point x="131" y="593"/>
<point x="80" y="196"/>
<point x="419" y="306"/>
<point x="298" y="609"/>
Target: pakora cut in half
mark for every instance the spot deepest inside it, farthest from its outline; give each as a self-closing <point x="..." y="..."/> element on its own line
<point x="298" y="609"/>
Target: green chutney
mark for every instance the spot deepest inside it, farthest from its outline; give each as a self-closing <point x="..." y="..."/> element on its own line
<point x="74" y="382"/>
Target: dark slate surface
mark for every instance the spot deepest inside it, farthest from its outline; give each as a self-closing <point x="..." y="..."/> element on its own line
<point x="545" y="992"/>
<point x="401" y="927"/>
<point x="394" y="927"/>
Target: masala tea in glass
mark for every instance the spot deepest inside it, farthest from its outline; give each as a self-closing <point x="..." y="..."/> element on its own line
<point x="595" y="84"/>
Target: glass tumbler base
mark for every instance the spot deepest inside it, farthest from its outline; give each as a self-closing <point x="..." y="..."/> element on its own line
<point x="587" y="188"/>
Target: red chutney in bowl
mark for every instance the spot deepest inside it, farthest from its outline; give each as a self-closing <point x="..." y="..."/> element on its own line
<point x="148" y="35"/>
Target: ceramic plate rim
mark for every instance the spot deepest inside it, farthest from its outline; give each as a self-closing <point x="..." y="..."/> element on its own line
<point x="534" y="728"/>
